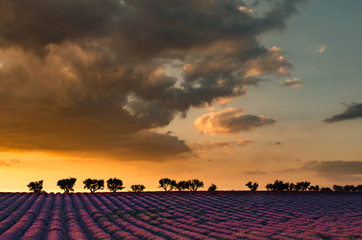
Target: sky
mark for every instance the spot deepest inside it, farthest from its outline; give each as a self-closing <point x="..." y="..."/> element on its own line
<point x="223" y="91"/>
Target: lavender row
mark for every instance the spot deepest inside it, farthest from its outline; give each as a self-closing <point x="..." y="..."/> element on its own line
<point x="180" y="215"/>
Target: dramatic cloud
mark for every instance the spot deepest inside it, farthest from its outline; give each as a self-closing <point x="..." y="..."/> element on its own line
<point x="90" y="75"/>
<point x="230" y="121"/>
<point x="294" y="83"/>
<point x="353" y="111"/>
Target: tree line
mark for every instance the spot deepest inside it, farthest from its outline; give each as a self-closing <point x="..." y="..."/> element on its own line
<point x="279" y="185"/>
<point x="167" y="184"/>
<point x="93" y="185"/>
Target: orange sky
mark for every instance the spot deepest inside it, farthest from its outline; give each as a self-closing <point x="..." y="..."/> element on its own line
<point x="235" y="92"/>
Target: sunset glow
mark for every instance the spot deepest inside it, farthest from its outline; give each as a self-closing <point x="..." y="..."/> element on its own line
<point x="223" y="91"/>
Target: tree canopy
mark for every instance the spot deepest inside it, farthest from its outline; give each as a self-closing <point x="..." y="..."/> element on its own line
<point x="167" y="184"/>
<point x="93" y="184"/>
<point x="212" y="187"/>
<point x="182" y="185"/>
<point x="252" y="186"/>
<point x="67" y="184"/>
<point x="195" y="184"/>
<point x="137" y="188"/>
<point x="36" y="187"/>
<point x="114" y="184"/>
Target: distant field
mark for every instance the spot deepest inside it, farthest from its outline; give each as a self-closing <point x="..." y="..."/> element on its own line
<point x="181" y="215"/>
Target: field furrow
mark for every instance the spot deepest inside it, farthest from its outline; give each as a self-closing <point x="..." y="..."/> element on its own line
<point x="181" y="215"/>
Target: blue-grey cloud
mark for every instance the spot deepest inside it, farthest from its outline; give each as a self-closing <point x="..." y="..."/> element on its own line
<point x="353" y="111"/>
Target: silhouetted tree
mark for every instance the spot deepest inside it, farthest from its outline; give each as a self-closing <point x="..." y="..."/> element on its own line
<point x="114" y="184"/>
<point x="291" y="187"/>
<point x="280" y="185"/>
<point x="269" y="187"/>
<point x="93" y="184"/>
<point x="326" y="189"/>
<point x="137" y="188"/>
<point x="337" y="188"/>
<point x="67" y="184"/>
<point x="167" y="184"/>
<point x="349" y="188"/>
<point x="252" y="186"/>
<point x="36" y="187"/>
<point x="212" y="187"/>
<point x="297" y="186"/>
<point x="359" y="188"/>
<point x="302" y="186"/>
<point x="182" y="185"/>
<point x="195" y="184"/>
<point x="313" y="188"/>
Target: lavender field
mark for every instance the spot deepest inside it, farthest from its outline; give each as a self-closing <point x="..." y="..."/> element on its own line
<point x="181" y="215"/>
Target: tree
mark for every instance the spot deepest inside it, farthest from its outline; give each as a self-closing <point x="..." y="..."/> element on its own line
<point x="195" y="184"/>
<point x="252" y="186"/>
<point x="167" y="184"/>
<point x="291" y="187"/>
<point x="114" y="184"/>
<point x="93" y="184"/>
<point x="326" y="189"/>
<point x="137" y="188"/>
<point x="302" y="186"/>
<point x="298" y="186"/>
<point x="269" y="186"/>
<point x="314" y="188"/>
<point x="67" y="184"/>
<point x="212" y="187"/>
<point x="182" y="185"/>
<point x="349" y="188"/>
<point x="36" y="187"/>
<point x="337" y="188"/>
<point x="278" y="186"/>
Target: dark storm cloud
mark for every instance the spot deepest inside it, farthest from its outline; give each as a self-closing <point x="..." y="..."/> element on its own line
<point x="90" y="75"/>
<point x="352" y="112"/>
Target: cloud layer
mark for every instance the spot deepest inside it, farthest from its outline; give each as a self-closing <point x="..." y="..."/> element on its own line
<point x="293" y="83"/>
<point x="339" y="167"/>
<point x="337" y="170"/>
<point x="90" y="75"/>
<point x="230" y="121"/>
<point x="352" y="112"/>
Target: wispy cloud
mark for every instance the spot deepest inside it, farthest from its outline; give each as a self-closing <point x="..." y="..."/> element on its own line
<point x="322" y="49"/>
<point x="230" y="121"/>
<point x="209" y="146"/>
<point x="255" y="172"/>
<point x="353" y="111"/>
<point x="9" y="162"/>
<point x="294" y="83"/>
